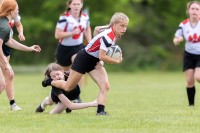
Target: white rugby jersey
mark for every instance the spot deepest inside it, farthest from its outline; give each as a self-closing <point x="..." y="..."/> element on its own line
<point x="191" y="36"/>
<point x="102" y="41"/>
<point x="68" y="23"/>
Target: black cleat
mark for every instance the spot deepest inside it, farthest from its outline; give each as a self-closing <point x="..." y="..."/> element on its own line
<point x="39" y="109"/>
<point x="68" y="110"/>
<point x="102" y="113"/>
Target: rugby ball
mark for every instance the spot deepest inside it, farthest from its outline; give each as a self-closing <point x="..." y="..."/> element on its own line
<point x="114" y="51"/>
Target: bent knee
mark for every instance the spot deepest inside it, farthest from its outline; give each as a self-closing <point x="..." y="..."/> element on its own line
<point x="48" y="101"/>
<point x="105" y="86"/>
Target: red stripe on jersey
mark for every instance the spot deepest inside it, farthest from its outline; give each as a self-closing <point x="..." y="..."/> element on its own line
<point x="95" y="46"/>
<point x="65" y="29"/>
<point x="185" y="21"/>
<point x="84" y="14"/>
<point x="67" y="14"/>
<point x="111" y="35"/>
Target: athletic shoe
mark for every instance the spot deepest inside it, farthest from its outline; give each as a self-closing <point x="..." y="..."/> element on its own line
<point x="39" y="109"/>
<point x="14" y="107"/>
<point x="68" y="110"/>
<point x="102" y="113"/>
<point x="78" y="100"/>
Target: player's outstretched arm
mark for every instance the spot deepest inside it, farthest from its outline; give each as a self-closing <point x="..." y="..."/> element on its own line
<point x="16" y="45"/>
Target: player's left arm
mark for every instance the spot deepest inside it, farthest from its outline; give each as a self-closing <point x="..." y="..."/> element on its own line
<point x="106" y="58"/>
<point x="102" y="52"/>
<point x="20" y="30"/>
<point x="16" y="45"/>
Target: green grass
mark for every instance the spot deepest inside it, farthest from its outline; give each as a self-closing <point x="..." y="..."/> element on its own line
<point x="138" y="102"/>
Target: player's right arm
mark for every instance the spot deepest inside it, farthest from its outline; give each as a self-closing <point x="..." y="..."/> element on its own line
<point x="4" y="61"/>
<point x="177" y="40"/>
<point x="178" y="37"/>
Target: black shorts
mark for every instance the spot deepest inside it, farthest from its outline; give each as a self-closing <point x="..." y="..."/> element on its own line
<point x="84" y="62"/>
<point x="72" y="95"/>
<point x="64" y="53"/>
<point x="6" y="50"/>
<point x="190" y="61"/>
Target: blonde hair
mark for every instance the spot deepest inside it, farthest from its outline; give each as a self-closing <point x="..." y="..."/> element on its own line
<point x="6" y="7"/>
<point x="117" y="17"/>
<point x="189" y="5"/>
<point x="52" y="67"/>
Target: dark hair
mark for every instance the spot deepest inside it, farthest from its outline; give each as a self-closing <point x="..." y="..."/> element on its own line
<point x="68" y="8"/>
<point x="52" y="67"/>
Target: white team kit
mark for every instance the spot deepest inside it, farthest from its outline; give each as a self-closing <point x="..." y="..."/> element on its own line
<point x="191" y="36"/>
<point x="87" y="59"/>
<point x="102" y="41"/>
<point x="68" y="23"/>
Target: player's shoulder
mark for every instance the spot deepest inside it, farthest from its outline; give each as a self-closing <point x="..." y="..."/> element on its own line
<point x="184" y="22"/>
<point x="109" y="32"/>
<point x="62" y="18"/>
<point x="84" y="15"/>
<point x="4" y="26"/>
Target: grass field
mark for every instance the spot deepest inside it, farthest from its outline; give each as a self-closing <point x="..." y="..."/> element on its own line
<point x="137" y="102"/>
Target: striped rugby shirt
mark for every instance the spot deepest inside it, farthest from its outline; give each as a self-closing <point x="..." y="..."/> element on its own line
<point x="68" y="23"/>
<point x="102" y="41"/>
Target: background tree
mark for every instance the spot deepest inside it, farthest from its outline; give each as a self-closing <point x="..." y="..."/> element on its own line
<point x="146" y="45"/>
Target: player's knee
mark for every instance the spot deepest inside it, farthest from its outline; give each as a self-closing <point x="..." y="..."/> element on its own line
<point x="190" y="82"/>
<point x="105" y="86"/>
<point x="48" y="101"/>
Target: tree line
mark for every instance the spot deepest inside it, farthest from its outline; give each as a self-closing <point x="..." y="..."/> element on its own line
<point x="147" y="44"/>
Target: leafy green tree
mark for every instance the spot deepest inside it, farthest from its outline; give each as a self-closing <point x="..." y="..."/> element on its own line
<point x="147" y="43"/>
